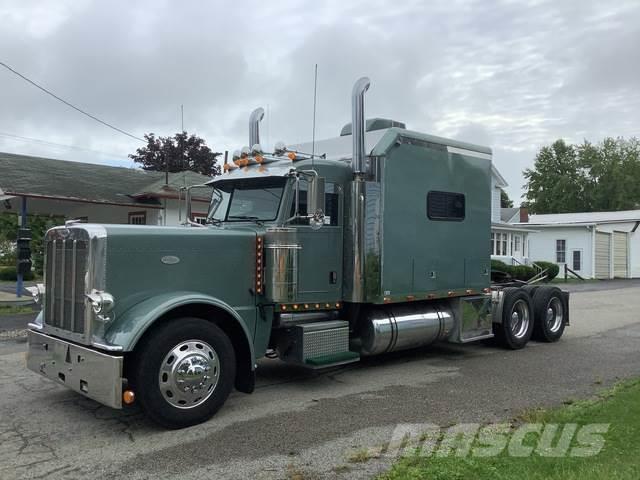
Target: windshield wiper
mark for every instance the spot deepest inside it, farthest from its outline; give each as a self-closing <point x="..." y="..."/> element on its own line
<point x="245" y="217"/>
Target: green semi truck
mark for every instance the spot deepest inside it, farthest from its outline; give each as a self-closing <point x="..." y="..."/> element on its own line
<point x="379" y="244"/>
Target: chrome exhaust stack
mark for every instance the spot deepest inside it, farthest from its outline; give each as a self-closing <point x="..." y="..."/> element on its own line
<point x="254" y="130"/>
<point x="358" y="126"/>
<point x="354" y="286"/>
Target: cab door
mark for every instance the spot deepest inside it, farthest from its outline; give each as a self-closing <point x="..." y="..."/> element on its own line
<point x="320" y="261"/>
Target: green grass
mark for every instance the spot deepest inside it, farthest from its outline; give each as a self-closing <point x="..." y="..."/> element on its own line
<point x="619" y="459"/>
<point x="14" y="309"/>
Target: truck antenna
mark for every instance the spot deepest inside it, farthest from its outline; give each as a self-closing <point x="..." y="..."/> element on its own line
<point x="313" y="133"/>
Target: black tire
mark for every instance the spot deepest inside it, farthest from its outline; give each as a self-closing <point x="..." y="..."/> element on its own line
<point x="207" y="347"/>
<point x="531" y="289"/>
<point x="517" y="319"/>
<point x="549" y="313"/>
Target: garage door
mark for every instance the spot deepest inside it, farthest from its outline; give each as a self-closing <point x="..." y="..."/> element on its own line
<point x="603" y="254"/>
<point x="620" y="249"/>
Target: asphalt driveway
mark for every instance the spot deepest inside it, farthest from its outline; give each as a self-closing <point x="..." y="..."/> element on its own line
<point x="310" y="424"/>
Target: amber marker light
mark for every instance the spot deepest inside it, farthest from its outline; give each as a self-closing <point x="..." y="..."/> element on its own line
<point x="292" y="156"/>
<point x="387" y="300"/>
<point x="283" y="307"/>
<point x="128" y="397"/>
<point x="317" y="305"/>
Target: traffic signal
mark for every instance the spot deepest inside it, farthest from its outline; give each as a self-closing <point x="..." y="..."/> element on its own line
<point x="24" y="251"/>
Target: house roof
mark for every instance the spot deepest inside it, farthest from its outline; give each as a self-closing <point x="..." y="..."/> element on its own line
<point x="507" y="214"/>
<point x="585" y="218"/>
<point x="3" y="196"/>
<point x="87" y="182"/>
<point x="514" y="227"/>
<point x="500" y="181"/>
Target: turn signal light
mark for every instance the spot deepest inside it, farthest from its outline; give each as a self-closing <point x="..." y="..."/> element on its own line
<point x="292" y="156"/>
<point x="128" y="397"/>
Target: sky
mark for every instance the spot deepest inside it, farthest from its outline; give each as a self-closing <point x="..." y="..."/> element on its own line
<point x="512" y="75"/>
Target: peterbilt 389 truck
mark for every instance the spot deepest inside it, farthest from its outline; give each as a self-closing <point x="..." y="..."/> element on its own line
<point x="379" y="244"/>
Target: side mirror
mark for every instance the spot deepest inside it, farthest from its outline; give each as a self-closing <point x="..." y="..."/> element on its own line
<point x="315" y="202"/>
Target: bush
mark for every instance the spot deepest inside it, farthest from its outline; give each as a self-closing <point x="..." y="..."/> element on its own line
<point x="500" y="266"/>
<point x="11" y="274"/>
<point x="522" y="272"/>
<point x="551" y="268"/>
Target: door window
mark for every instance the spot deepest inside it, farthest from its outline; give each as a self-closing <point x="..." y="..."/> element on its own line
<point x="577" y="260"/>
<point x="331" y="205"/>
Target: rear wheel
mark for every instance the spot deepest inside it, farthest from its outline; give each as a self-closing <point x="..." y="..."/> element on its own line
<point x="184" y="372"/>
<point x="549" y="314"/>
<point x="517" y="319"/>
<point x="531" y="289"/>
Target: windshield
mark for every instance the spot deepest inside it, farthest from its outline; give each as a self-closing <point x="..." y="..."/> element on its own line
<point x="251" y="199"/>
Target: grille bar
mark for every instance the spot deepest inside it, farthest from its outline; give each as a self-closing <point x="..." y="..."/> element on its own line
<point x="73" y="285"/>
<point x="67" y="265"/>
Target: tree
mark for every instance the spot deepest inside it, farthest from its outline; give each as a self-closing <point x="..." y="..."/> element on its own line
<point x="505" y="201"/>
<point x="557" y="183"/>
<point x="585" y="178"/>
<point x="38" y="224"/>
<point x="176" y="154"/>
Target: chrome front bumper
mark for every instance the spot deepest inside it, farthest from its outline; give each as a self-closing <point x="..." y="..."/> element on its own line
<point x="91" y="373"/>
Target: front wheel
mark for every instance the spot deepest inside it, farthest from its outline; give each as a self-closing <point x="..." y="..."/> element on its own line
<point x="184" y="372"/>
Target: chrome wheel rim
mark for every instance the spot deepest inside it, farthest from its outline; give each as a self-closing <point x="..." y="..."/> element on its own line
<point x="189" y="374"/>
<point x="555" y="314"/>
<point x="519" y="319"/>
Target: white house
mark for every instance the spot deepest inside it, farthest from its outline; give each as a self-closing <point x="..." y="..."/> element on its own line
<point x="509" y="241"/>
<point x="96" y="193"/>
<point x="594" y="245"/>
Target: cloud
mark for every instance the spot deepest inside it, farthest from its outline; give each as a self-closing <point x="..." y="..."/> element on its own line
<point x="514" y="75"/>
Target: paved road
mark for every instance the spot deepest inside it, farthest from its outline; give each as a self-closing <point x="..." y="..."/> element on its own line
<point x="310" y="424"/>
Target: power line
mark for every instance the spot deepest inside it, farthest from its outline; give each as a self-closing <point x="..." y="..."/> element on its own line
<point x="54" y="144"/>
<point x="93" y="117"/>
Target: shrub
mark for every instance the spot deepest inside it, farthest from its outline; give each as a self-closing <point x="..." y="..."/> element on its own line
<point x="522" y="272"/>
<point x="551" y="268"/>
<point x="11" y="274"/>
<point x="500" y="266"/>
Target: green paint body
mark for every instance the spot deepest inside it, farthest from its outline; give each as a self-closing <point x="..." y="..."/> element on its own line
<point x="216" y="265"/>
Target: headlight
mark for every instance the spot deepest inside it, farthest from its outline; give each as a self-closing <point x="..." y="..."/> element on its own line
<point x="37" y="293"/>
<point x="101" y="302"/>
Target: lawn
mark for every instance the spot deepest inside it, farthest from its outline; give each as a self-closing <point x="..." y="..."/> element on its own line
<point x="15" y="309"/>
<point x="619" y="458"/>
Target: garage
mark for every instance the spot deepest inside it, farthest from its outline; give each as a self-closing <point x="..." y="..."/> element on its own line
<point x="620" y="254"/>
<point x="603" y="254"/>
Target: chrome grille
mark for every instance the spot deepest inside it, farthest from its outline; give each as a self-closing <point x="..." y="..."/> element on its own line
<point x="66" y="267"/>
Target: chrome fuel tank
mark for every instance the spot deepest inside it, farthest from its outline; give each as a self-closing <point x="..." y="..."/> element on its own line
<point x="393" y="328"/>
<point x="281" y="251"/>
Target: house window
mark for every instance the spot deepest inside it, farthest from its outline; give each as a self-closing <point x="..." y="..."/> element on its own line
<point x="499" y="244"/>
<point x="137" y="218"/>
<point x="199" y="218"/>
<point x="561" y="250"/>
<point x="516" y="243"/>
<point x="577" y="260"/>
<point x="445" y="206"/>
